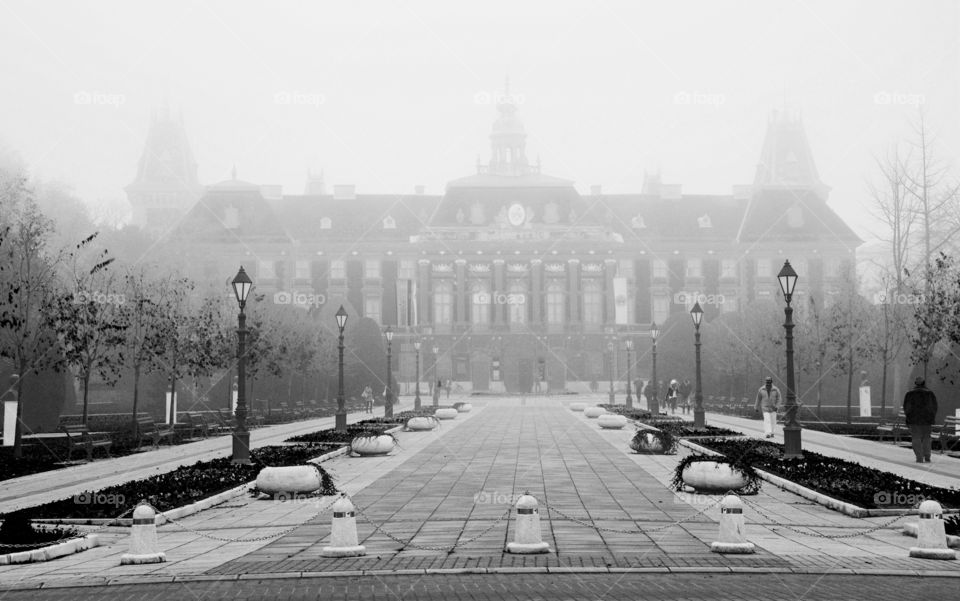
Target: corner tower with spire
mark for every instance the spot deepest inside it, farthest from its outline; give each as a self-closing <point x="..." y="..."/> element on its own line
<point x="786" y="161"/>
<point x="166" y="186"/>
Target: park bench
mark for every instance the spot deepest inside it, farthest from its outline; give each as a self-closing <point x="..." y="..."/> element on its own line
<point x="895" y="429"/>
<point x="189" y="426"/>
<point x="949" y="433"/>
<point x="80" y="437"/>
<point x="147" y="428"/>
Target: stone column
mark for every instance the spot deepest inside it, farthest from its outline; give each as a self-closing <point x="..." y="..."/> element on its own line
<point x="423" y="293"/>
<point x="462" y="293"/>
<point x="609" y="270"/>
<point x="536" y="293"/>
<point x="499" y="284"/>
<point x="573" y="292"/>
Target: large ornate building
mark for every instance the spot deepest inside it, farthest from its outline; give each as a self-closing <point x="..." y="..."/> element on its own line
<point x="512" y="274"/>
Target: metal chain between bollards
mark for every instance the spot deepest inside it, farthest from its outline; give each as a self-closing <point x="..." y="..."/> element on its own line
<point x="448" y="548"/>
<point x="632" y="531"/>
<point x="66" y="538"/>
<point x="886" y="524"/>
<point x="255" y="539"/>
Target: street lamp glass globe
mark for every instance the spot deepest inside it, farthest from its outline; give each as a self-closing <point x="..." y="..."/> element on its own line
<point x="242" y="285"/>
<point x="654" y="331"/>
<point x="416" y="345"/>
<point x="629" y="345"/>
<point x="436" y="350"/>
<point x="788" y="280"/>
<point x="697" y="314"/>
<point x="341" y="318"/>
<point x="389" y="334"/>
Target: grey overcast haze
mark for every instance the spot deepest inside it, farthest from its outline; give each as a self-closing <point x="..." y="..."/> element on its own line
<point x="390" y="95"/>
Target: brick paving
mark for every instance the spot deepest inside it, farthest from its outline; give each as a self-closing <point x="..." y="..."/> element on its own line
<point x="555" y="587"/>
<point x="449" y="485"/>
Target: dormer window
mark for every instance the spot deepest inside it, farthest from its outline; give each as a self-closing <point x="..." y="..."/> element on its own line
<point x="704" y="221"/>
<point x="325" y="223"/>
<point x="389" y="223"/>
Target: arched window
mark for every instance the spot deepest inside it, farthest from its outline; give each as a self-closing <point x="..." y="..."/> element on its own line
<point x="443" y="303"/>
<point x="555" y="304"/>
<point x="592" y="302"/>
<point x="517" y="303"/>
<point x="480" y="303"/>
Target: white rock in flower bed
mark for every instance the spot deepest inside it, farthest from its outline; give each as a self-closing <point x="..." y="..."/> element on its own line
<point x="578" y="406"/>
<point x="594" y="412"/>
<point x="289" y="479"/>
<point x="464" y="408"/>
<point x="446" y="413"/>
<point x="380" y="444"/>
<point x="421" y="423"/>
<point x="612" y="421"/>
<point x="713" y="476"/>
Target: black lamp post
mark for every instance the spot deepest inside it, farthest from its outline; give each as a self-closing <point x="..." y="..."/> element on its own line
<point x="436" y="374"/>
<point x="610" y="348"/>
<point x="791" y="428"/>
<point x="388" y="397"/>
<point x="629" y="345"/>
<point x="416" y="388"/>
<point x="241" y="436"/>
<point x="697" y="314"/>
<point x="340" y="423"/>
<point x="653" y="404"/>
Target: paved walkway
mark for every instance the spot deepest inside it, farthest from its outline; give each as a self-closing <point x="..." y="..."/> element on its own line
<point x="450" y="486"/>
<point x="37" y="489"/>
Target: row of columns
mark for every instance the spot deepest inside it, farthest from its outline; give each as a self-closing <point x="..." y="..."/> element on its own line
<point x="426" y="279"/>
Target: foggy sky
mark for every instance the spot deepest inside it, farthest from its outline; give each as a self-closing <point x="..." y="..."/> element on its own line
<point x="389" y="95"/>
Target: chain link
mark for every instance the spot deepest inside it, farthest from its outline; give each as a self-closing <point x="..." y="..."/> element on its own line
<point x="66" y="538"/>
<point x="255" y="539"/>
<point x="805" y="532"/>
<point x="447" y="548"/>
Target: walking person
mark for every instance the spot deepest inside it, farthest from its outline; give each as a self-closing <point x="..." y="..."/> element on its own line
<point x="920" y="411"/>
<point x="672" y="396"/>
<point x="685" y="389"/>
<point x="367" y="397"/>
<point x="436" y="393"/>
<point x="768" y="401"/>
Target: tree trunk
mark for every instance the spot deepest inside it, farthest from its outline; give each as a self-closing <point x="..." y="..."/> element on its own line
<point x="86" y="388"/>
<point x="136" y="397"/>
<point x="850" y="385"/>
<point x="883" y="388"/>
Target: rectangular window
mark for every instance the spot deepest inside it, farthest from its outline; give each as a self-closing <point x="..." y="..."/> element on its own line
<point x="371" y="268"/>
<point x="626" y="268"/>
<point x="659" y="269"/>
<point x="728" y="268"/>
<point x="407" y="270"/>
<point x="302" y="270"/>
<point x="338" y="269"/>
<point x="661" y="309"/>
<point x="694" y="268"/>
<point x="371" y="307"/>
<point x="763" y="268"/>
<point x="832" y="268"/>
<point x="265" y="270"/>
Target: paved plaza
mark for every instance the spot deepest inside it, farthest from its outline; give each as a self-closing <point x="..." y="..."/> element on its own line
<point x="439" y="509"/>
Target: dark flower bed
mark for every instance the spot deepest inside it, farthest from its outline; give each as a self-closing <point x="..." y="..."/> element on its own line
<point x="857" y="429"/>
<point x="952" y="524"/>
<point x="11" y="467"/>
<point x="342" y="438"/>
<point x="641" y="444"/>
<point x="683" y="429"/>
<point x="631" y="413"/>
<point x="18" y="530"/>
<point x="185" y="485"/>
<point x="844" y="480"/>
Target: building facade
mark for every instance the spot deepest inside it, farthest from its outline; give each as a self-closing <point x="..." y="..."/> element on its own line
<point x="518" y="280"/>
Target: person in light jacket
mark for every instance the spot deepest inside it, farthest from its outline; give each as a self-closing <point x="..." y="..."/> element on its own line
<point x="768" y="401"/>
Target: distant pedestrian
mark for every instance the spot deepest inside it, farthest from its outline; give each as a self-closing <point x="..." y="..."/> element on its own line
<point x="436" y="393"/>
<point x="685" y="389"/>
<point x="449" y="386"/>
<point x="367" y="398"/>
<point x="673" y="395"/>
<point x="920" y="410"/>
<point x="768" y="402"/>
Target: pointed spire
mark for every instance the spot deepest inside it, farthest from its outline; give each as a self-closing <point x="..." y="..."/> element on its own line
<point x="786" y="159"/>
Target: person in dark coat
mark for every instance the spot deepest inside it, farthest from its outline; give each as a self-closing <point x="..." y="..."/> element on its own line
<point x="920" y="411"/>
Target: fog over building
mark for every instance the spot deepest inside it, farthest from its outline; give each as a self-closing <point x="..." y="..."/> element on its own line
<point x="512" y="273"/>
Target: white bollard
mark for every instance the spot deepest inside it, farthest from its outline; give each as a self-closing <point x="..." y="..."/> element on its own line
<point x="144" y="547"/>
<point x="931" y="537"/>
<point x="527" y="539"/>
<point x="731" y="528"/>
<point x="343" y="531"/>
